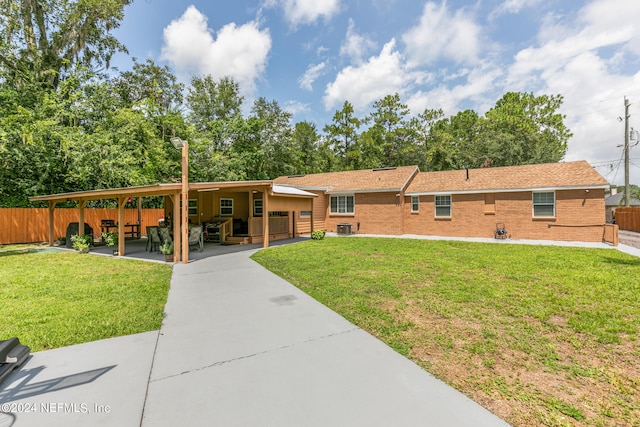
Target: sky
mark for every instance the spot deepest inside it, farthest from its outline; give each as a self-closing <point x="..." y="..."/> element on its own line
<point x="313" y="55"/>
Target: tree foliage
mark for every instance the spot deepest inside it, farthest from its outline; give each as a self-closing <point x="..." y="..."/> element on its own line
<point x="66" y="126"/>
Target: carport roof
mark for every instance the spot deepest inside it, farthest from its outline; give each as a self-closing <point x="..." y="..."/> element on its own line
<point x="172" y="188"/>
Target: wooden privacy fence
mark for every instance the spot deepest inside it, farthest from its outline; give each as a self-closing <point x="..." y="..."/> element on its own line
<point x="31" y="225"/>
<point x="628" y="218"/>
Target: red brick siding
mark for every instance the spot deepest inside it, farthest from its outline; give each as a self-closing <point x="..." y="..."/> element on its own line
<point x="377" y="213"/>
<point x="580" y="216"/>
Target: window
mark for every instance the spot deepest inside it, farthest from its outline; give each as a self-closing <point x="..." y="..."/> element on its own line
<point x="193" y="207"/>
<point x="257" y="207"/>
<point x="305" y="214"/>
<point x="415" y="203"/>
<point x="544" y="204"/>
<point x="226" y="207"/>
<point x="443" y="206"/>
<point x="342" y="204"/>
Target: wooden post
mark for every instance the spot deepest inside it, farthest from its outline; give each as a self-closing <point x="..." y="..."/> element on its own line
<point x="52" y="206"/>
<point x="121" y="202"/>
<point x="185" y="202"/>
<point x="265" y="218"/>
<point x="176" y="227"/>
<point x="139" y="216"/>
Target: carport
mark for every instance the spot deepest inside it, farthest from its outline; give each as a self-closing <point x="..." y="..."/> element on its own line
<point x="273" y="197"/>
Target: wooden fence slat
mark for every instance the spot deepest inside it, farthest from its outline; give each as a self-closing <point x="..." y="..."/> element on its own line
<point x="628" y="218"/>
<point x="31" y="225"/>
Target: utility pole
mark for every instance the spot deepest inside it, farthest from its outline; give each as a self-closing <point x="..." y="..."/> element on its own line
<point x="627" y="192"/>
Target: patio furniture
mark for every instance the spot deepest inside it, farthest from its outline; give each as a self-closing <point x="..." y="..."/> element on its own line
<point x="196" y="237"/>
<point x="153" y="239"/>
<point x="165" y="235"/>
<point x="73" y="228"/>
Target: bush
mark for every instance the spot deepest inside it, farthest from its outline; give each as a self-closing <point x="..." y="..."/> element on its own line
<point x="110" y="238"/>
<point x="318" y="234"/>
<point x="81" y="242"/>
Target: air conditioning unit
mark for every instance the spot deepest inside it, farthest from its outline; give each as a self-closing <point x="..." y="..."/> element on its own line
<point x="343" y="229"/>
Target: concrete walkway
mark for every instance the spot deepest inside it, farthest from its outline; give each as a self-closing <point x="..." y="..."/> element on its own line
<point x="239" y="346"/>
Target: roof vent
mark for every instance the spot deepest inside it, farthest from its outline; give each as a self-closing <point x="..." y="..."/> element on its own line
<point x="297" y="176"/>
<point x="384" y="169"/>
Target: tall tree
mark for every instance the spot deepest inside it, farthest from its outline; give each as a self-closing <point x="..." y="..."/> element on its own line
<point x="395" y="137"/>
<point x="275" y="137"/>
<point x="342" y="133"/>
<point x="305" y="141"/>
<point x="43" y="39"/>
<point x="209" y="101"/>
<point x="524" y="129"/>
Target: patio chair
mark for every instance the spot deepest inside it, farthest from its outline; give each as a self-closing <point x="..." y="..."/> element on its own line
<point x="165" y="236"/>
<point x="196" y="237"/>
<point x="153" y="239"/>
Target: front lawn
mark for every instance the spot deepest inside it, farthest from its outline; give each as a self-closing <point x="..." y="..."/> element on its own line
<point x="538" y="335"/>
<point x="55" y="299"/>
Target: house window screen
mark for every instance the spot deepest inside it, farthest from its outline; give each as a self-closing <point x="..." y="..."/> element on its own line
<point x="544" y="204"/>
<point x="226" y="206"/>
<point x="415" y="203"/>
<point x="257" y="207"/>
<point x="443" y="206"/>
<point x="193" y="207"/>
<point x="342" y="205"/>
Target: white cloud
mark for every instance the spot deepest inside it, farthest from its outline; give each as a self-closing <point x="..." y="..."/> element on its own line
<point x="380" y="76"/>
<point x="237" y="51"/>
<point x="299" y="12"/>
<point x="442" y="35"/>
<point x="296" y="107"/>
<point x="591" y="59"/>
<point x="513" y="7"/>
<point x="310" y="76"/>
<point x="356" y="46"/>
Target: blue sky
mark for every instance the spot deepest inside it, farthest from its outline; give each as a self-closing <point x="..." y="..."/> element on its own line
<point x="312" y="55"/>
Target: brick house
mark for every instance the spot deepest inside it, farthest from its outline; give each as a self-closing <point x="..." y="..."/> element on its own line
<point x="556" y="201"/>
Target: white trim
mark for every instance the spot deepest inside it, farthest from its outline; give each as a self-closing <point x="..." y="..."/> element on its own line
<point x="382" y="190"/>
<point x="508" y="190"/>
<point x="345" y="202"/>
<point x="533" y="205"/>
<point x="418" y="203"/>
<point x="291" y="191"/>
<point x="435" y="206"/>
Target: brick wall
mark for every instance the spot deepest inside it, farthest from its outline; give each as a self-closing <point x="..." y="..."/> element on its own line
<point x="580" y="216"/>
<point x="377" y="213"/>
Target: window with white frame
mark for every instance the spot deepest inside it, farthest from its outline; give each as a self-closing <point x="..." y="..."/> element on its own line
<point x="443" y="205"/>
<point x="226" y="207"/>
<point x="415" y="203"/>
<point x="257" y="207"/>
<point x="544" y="204"/>
<point x="342" y="205"/>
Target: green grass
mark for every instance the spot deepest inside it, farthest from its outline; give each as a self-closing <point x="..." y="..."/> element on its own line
<point x="55" y="299"/>
<point x="539" y="335"/>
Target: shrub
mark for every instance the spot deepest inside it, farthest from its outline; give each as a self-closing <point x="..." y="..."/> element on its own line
<point x="81" y="242"/>
<point x="318" y="234"/>
<point x="110" y="238"/>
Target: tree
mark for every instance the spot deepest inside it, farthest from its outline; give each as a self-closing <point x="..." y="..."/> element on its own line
<point x="394" y="137"/>
<point x="427" y="145"/>
<point x="342" y="134"/>
<point x="275" y="138"/>
<point x="305" y="142"/>
<point x="524" y="129"/>
<point x="43" y="39"/>
<point x="209" y="101"/>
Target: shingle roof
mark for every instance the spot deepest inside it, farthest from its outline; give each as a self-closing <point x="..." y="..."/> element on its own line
<point x="369" y="180"/>
<point x="617" y="200"/>
<point x="549" y="175"/>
